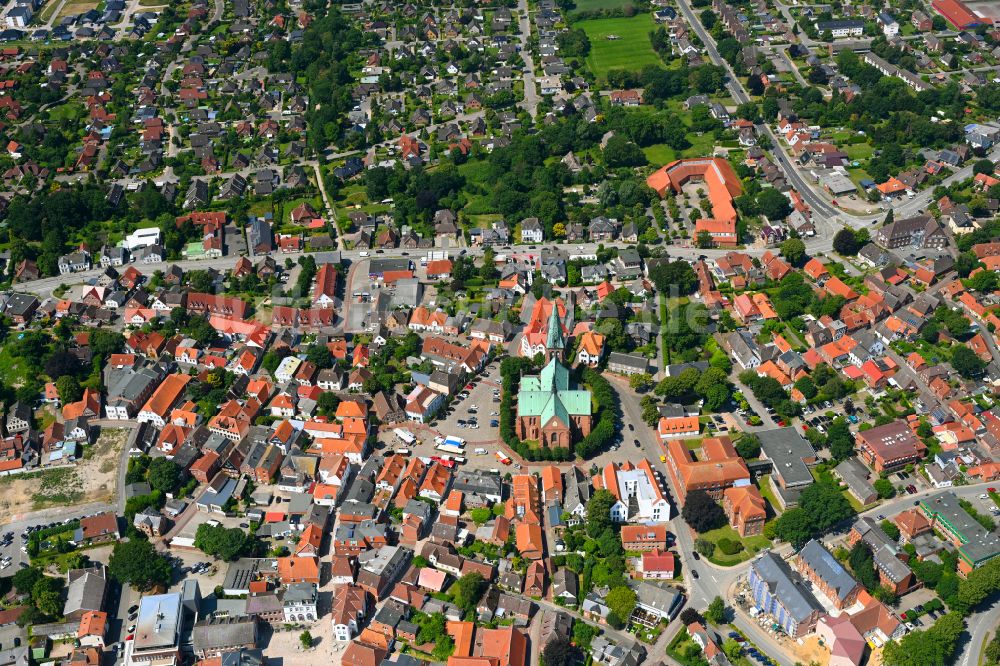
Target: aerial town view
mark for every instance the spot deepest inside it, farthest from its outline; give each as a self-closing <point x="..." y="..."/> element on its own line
<point x="499" y="333"/>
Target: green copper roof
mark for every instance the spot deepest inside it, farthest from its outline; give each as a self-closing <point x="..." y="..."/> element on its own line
<point x="554" y="377"/>
<point x="554" y="339"/>
<point x="549" y="396"/>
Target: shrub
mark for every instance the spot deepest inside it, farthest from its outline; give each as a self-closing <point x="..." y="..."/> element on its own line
<point x="729" y="546"/>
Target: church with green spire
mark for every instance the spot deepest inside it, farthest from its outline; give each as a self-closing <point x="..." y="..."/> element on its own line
<point x="549" y="409"/>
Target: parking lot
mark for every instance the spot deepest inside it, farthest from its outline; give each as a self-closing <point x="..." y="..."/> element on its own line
<point x="473" y="411"/>
<point x="479" y="428"/>
<point x="985" y="505"/>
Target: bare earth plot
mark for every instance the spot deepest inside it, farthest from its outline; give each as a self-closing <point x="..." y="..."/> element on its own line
<point x="91" y="480"/>
<point x="72" y="8"/>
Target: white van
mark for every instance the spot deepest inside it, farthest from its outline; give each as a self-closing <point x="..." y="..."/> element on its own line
<point x="365" y="254"/>
<point x="481" y="451"/>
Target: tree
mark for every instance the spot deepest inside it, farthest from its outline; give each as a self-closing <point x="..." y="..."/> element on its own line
<point x="703" y="240"/>
<point x="558" y="652"/>
<point x="480" y="515"/>
<point x="25" y="579"/>
<point x="794" y="250"/>
<point x="620" y="152"/>
<point x="306" y="639"/>
<point x="890" y="529"/>
<point x="845" y="242"/>
<point x="466" y="590"/>
<point x="863" y="565"/>
<point x="702" y="512"/>
<point x="821" y="506"/>
<point x="640" y="381"/>
<point x="967" y="363"/>
<point x="748" y="446"/>
<point x="806" y="387"/>
<point x="599" y="512"/>
<point x="327" y="403"/>
<point x="839" y="439"/>
<point x="222" y="542"/>
<point x="69" y="389"/>
<point x="931" y="647"/>
<point x="773" y="204"/>
<point x="732" y="649"/>
<point x="163" y="475"/>
<point x="982" y="166"/>
<point x="48" y="601"/>
<point x="319" y="355"/>
<point x="794" y="526"/>
<point x="716" y="611"/>
<point x="61" y="363"/>
<point x="583" y="633"/>
<point x="705" y="547"/>
<point x="136" y="563"/>
<point x="674" y="275"/>
<point x="884" y="488"/>
<point x="621" y="601"/>
<point x="690" y="616"/>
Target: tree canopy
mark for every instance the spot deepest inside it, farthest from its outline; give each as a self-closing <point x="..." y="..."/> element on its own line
<point x="702" y="512"/>
<point x="222" y="542"/>
<point x="135" y="562"/>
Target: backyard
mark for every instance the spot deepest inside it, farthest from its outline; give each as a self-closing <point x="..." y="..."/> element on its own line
<point x="628" y="47"/>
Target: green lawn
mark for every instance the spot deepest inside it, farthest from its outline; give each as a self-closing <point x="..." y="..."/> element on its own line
<point x="857" y="175"/>
<point x="764" y="486"/>
<point x="859" y="151"/>
<point x="591" y="5"/>
<point x="660" y="153"/>
<point x="751" y="546"/>
<point x="631" y="50"/>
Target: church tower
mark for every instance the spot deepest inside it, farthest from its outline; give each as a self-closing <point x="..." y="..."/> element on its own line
<point x="555" y="344"/>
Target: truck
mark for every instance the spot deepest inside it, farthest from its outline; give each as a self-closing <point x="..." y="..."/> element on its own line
<point x="405" y="436"/>
<point x="450" y="448"/>
<point x="503" y="458"/>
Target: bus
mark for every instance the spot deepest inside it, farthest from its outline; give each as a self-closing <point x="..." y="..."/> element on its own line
<point x="502" y="457"/>
<point x="450" y="448"/>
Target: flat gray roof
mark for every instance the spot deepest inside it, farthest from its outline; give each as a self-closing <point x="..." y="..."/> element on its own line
<point x="159" y="621"/>
<point x="787" y="449"/>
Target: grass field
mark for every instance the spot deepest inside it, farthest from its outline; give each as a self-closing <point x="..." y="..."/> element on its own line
<point x="659" y="153"/>
<point x="632" y="50"/>
<point x="591" y="5"/>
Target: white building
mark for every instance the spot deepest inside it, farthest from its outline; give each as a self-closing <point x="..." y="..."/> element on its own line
<point x="637" y="486"/>
<point x="890" y="28"/>
<point x="286" y="369"/>
<point x="141" y="238"/>
<point x="299" y="602"/>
